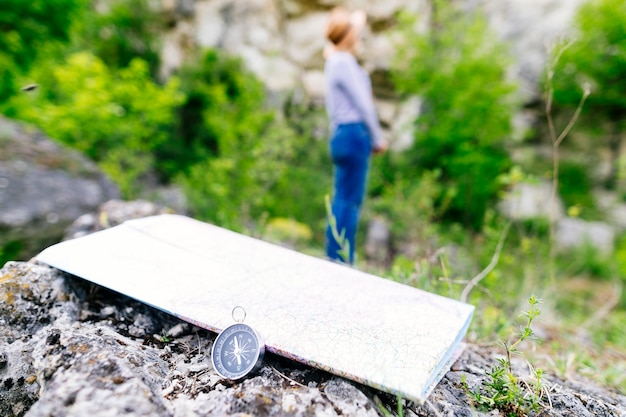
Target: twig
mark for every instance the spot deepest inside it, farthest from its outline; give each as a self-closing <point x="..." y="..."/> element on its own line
<point x="556" y="141"/>
<point x="494" y="261"/>
<point x="572" y="121"/>
<point x="550" y="89"/>
<point x="287" y="378"/>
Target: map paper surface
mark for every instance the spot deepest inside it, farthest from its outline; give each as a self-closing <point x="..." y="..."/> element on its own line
<point x="383" y="334"/>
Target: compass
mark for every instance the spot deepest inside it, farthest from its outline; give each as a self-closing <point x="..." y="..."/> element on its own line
<point x="237" y="351"/>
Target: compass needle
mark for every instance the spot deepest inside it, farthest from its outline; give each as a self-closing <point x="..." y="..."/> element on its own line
<point x="237" y="351"/>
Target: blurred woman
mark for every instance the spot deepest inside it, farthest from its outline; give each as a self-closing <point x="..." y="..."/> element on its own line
<point x="355" y="130"/>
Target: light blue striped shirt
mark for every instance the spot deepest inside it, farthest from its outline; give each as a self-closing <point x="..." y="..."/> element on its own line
<point x="349" y="94"/>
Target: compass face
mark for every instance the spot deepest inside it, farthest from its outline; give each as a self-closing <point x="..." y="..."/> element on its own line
<point x="237" y="351"/>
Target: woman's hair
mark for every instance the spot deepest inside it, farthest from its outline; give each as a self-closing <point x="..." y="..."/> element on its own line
<point x="339" y="25"/>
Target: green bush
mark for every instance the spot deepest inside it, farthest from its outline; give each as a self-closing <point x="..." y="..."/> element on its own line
<point x="300" y="193"/>
<point x="597" y="56"/>
<point x="239" y="160"/>
<point x="9" y="81"/>
<point x="118" y="31"/>
<point x="27" y="28"/>
<point x="460" y="71"/>
<point x="116" y="117"/>
<point x="230" y="149"/>
<point x="409" y="205"/>
<point x="223" y="104"/>
<point x="575" y="188"/>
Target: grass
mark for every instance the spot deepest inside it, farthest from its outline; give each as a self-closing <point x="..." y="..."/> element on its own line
<point x="583" y="309"/>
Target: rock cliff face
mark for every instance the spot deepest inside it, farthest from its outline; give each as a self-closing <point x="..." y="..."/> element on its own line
<point x="70" y="348"/>
<point x="44" y="187"/>
<point x="282" y="42"/>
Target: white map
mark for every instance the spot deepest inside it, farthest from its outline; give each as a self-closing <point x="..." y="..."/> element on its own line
<point x="374" y="331"/>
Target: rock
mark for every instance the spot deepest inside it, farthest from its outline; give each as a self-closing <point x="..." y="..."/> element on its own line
<point x="573" y="233"/>
<point x="111" y="214"/>
<point x="613" y="206"/>
<point x="403" y="124"/>
<point x="276" y="72"/>
<point x="531" y="201"/>
<point x="313" y="84"/>
<point x="281" y="43"/>
<point x="44" y="187"/>
<point x="67" y="349"/>
<point x="530" y="27"/>
<point x="378" y="242"/>
<point x="305" y="39"/>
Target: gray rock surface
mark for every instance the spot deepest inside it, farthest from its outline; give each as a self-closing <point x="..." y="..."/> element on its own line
<point x="572" y="233"/>
<point x="112" y="213"/>
<point x="531" y="201"/>
<point x="44" y="187"/>
<point x="70" y="348"/>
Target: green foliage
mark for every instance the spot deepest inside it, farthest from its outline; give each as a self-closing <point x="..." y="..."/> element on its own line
<point x="300" y="193"/>
<point x="238" y="160"/>
<point x="505" y="391"/>
<point x="459" y="69"/>
<point x="620" y="261"/>
<point x="9" y="79"/>
<point x="575" y="188"/>
<point x="118" y="31"/>
<point x="230" y="149"/>
<point x="222" y="113"/>
<point x="25" y="26"/>
<point x="287" y="231"/>
<point x="9" y="251"/>
<point x="587" y="260"/>
<point x="382" y="408"/>
<point x="597" y="57"/>
<point x="116" y="117"/>
<point x="26" y="29"/>
<point x="415" y="202"/>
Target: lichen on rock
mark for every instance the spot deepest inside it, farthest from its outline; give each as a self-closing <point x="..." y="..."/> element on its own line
<point x="71" y="348"/>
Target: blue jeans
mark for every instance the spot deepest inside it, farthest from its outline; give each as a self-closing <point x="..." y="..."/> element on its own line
<point x="350" y="150"/>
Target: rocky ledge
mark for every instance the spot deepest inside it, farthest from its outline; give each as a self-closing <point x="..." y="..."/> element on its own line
<point x="71" y="348"/>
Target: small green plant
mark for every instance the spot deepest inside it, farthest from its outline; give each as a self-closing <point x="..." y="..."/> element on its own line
<point x="385" y="412"/>
<point x="165" y="337"/>
<point x="340" y="238"/>
<point x="505" y="391"/>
